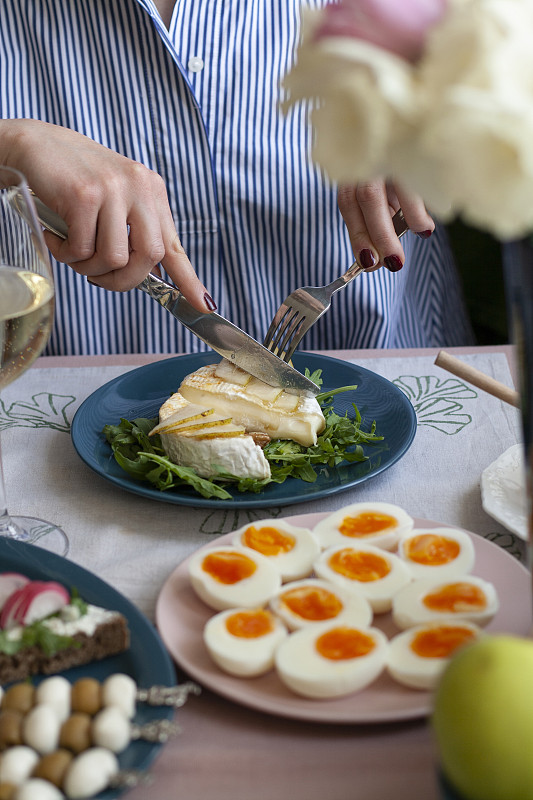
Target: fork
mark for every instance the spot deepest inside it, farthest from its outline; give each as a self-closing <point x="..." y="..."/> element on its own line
<point x="303" y="307"/>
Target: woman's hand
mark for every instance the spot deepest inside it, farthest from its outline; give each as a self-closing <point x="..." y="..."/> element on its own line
<point x="367" y="210"/>
<point x="119" y="220"/>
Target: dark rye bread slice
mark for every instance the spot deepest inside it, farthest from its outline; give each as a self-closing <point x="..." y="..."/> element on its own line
<point x="110" y="637"/>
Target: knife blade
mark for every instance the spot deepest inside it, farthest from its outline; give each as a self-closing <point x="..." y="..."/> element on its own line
<point x="219" y="333"/>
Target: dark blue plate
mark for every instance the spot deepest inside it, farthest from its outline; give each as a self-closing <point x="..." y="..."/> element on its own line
<point x="146" y="660"/>
<point x="141" y="392"/>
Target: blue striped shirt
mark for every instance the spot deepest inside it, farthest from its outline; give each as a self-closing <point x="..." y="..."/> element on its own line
<point x="255" y="216"/>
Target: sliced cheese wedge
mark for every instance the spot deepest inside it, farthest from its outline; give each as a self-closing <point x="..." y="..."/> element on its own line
<point x="266" y="410"/>
<point x="210" y="449"/>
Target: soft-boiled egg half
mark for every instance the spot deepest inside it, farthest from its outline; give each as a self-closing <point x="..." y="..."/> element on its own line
<point x="230" y="577"/>
<point x="243" y="641"/>
<point x="312" y="600"/>
<point x="438" y="552"/>
<point x="417" y="657"/>
<point x="291" y="550"/>
<point x="371" y="571"/>
<point x="379" y="524"/>
<point x="430" y="599"/>
<point x="331" y="659"/>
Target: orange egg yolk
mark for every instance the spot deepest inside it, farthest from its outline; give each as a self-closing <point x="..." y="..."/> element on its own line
<point x="312" y="602"/>
<point x="366" y="523"/>
<point x="250" y="624"/>
<point x="269" y="541"/>
<point x="359" y="565"/>
<point x="441" y="641"/>
<point x="228" y="567"/>
<point x="433" y="550"/>
<point x="343" y="643"/>
<point x="456" y="597"/>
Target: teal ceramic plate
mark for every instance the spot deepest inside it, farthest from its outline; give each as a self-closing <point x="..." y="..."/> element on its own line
<point x="147" y="660"/>
<point x="141" y="392"/>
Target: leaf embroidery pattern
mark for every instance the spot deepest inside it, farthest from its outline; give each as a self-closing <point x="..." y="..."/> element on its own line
<point x="220" y="522"/>
<point x="514" y="546"/>
<point x="438" y="402"/>
<point x="45" y="410"/>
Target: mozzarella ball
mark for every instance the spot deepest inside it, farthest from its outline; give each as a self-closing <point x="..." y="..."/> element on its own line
<point x="40" y="729"/>
<point x="89" y="773"/>
<point x="292" y="550"/>
<point x="331" y="659"/>
<point x="437" y="552"/>
<point x="417" y="657"/>
<point x="120" y="690"/>
<point x="243" y="641"/>
<point x="379" y="524"/>
<point x="17" y="764"/>
<point x="55" y="691"/>
<point x="370" y="571"/>
<point x="38" y="789"/>
<point x="312" y="600"/>
<point x="230" y="577"/>
<point x="466" y="597"/>
<point x="111" y="729"/>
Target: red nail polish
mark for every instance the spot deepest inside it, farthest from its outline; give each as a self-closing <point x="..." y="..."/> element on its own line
<point x="367" y="258"/>
<point x="210" y="303"/>
<point x="393" y="263"/>
<point x="424" y="234"/>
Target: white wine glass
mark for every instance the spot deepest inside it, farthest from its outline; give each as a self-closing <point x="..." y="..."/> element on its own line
<point x="26" y="316"/>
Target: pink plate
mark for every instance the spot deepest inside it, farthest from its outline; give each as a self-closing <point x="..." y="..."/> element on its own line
<point x="181" y="616"/>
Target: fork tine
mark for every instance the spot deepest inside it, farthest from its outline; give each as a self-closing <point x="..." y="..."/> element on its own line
<point x="285" y="330"/>
<point x="292" y="333"/>
<point x="279" y="316"/>
<point x="297" y="338"/>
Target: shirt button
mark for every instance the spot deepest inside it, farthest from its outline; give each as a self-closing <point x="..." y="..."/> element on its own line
<point x="195" y="64"/>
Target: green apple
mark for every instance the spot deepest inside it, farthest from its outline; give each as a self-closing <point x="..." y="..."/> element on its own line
<point x="483" y="719"/>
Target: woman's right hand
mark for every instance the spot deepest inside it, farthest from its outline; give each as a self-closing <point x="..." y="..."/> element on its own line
<point x="119" y="221"/>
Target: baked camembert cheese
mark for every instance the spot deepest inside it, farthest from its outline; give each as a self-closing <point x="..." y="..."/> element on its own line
<point x="221" y="416"/>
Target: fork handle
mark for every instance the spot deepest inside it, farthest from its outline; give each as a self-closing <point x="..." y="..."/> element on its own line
<point x="400" y="227"/>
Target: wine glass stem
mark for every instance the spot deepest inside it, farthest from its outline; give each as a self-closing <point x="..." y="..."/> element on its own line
<point x="7" y="527"/>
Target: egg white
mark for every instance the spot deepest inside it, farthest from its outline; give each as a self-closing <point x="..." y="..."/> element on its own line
<point x="380" y="592"/>
<point x="408" y="607"/>
<point x="306" y="672"/>
<point x="413" y="670"/>
<point x="354" y="605"/>
<point x="250" y="592"/>
<point x="240" y="656"/>
<point x="463" y="563"/>
<point x="294" y="563"/>
<point x="329" y="534"/>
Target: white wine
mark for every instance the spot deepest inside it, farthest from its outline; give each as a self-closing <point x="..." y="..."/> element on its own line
<point x="26" y="315"/>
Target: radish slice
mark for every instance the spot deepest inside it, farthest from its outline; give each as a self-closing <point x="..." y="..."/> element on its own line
<point x="36" y="600"/>
<point x="9" y="583"/>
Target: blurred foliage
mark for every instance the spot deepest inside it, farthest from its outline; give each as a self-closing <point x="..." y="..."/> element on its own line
<point x="479" y="259"/>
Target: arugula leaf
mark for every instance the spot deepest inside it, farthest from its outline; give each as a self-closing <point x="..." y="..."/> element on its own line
<point x="38" y="635"/>
<point x="342" y="440"/>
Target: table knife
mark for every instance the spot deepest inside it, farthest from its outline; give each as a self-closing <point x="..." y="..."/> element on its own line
<point x="220" y="334"/>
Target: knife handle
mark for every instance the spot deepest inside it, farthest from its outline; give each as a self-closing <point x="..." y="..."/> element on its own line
<point x="156" y="287"/>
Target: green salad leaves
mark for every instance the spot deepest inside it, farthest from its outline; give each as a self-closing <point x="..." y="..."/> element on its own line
<point x="342" y="440"/>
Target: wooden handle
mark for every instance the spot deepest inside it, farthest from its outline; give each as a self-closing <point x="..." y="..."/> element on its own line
<point x="477" y="378"/>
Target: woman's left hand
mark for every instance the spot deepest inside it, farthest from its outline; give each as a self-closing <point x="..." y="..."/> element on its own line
<point x="367" y="210"/>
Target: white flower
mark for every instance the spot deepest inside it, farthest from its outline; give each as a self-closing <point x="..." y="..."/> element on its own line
<point x="456" y="126"/>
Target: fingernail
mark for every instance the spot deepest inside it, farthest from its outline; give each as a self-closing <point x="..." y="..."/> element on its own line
<point x="424" y="234"/>
<point x="393" y="263"/>
<point x="210" y="303"/>
<point x="367" y="258"/>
